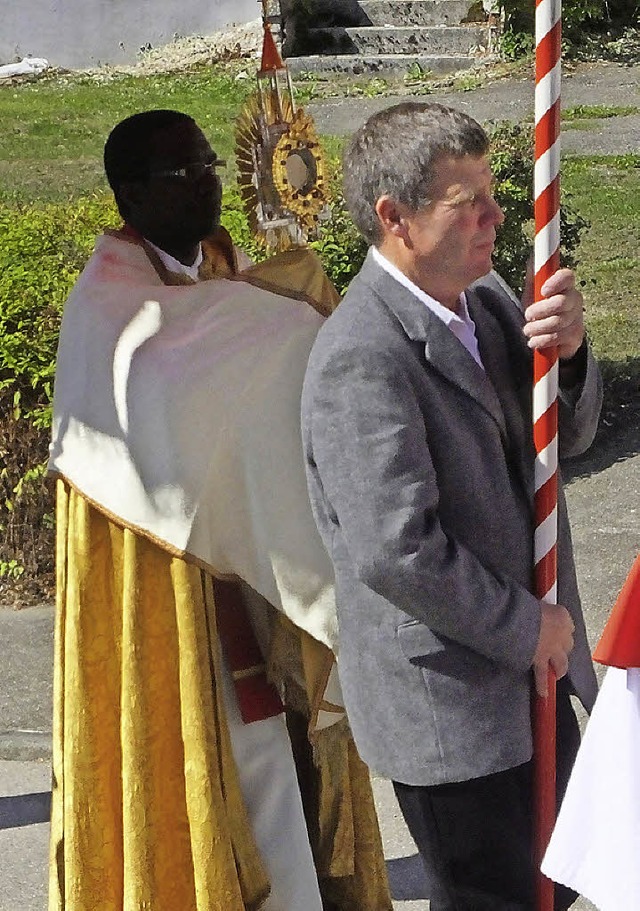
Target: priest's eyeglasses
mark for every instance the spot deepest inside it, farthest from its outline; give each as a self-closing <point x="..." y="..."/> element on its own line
<point x="191" y="172"/>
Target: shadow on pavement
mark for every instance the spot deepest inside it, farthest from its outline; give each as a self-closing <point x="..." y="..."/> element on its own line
<point x="24" y="810"/>
<point x="406" y="878"/>
<point x="618" y="435"/>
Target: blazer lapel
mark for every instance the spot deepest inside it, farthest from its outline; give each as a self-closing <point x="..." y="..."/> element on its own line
<point x="443" y="351"/>
<point x="512" y="386"/>
<point x="446" y="354"/>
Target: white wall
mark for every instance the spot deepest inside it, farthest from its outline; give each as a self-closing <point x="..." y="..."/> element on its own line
<point x="86" y="33"/>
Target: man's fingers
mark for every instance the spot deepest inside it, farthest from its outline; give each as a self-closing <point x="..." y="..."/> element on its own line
<point x="567" y="306"/>
<point x="554" y="645"/>
<point x="560" y="282"/>
<point x="538" y="342"/>
<point x="560" y="665"/>
<point x="555" y="322"/>
<point x="540" y="673"/>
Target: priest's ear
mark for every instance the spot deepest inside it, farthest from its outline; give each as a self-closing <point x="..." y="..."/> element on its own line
<point x="130" y="196"/>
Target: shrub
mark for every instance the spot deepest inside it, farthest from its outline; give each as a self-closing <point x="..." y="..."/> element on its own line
<point x="512" y="160"/>
<point x="520" y="14"/>
<point x="340" y="247"/>
<point x="42" y="250"/>
<point x="591" y="29"/>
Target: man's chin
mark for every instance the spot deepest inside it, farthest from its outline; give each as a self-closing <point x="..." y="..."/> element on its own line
<point x="485" y="263"/>
<point x="482" y="269"/>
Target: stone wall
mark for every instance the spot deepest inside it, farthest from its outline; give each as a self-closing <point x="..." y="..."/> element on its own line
<point x="87" y="33"/>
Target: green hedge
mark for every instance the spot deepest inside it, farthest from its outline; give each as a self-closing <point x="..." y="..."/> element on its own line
<point x="42" y="250"/>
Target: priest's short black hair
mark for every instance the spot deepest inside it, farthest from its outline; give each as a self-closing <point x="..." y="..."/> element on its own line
<point x="128" y="148"/>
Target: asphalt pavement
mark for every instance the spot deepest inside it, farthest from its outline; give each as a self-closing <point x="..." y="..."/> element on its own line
<point x="593" y="84"/>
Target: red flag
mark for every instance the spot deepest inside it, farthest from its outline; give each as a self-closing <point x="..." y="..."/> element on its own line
<point x="619" y="645"/>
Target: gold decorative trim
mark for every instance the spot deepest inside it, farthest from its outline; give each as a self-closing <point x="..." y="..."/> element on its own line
<point x="252" y="671"/>
<point x="307" y="201"/>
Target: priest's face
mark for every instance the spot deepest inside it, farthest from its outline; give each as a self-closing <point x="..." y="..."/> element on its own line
<point x="179" y="202"/>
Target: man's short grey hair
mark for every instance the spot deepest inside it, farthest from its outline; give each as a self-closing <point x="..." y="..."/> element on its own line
<point x="395" y="153"/>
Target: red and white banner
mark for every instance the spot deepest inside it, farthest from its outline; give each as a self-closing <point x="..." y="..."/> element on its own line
<point x="595" y="847"/>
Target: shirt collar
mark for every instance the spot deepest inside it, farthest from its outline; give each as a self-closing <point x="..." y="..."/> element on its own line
<point x="443" y="313"/>
<point x="172" y="264"/>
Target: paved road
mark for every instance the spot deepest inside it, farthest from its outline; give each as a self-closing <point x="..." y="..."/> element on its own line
<point x="24" y="832"/>
<point x="512" y="99"/>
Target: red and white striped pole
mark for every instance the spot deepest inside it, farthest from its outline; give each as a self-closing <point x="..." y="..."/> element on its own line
<point x="545" y="408"/>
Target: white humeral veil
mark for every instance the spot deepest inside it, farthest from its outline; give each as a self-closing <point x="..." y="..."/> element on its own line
<point x="177" y="413"/>
<point x="176" y="410"/>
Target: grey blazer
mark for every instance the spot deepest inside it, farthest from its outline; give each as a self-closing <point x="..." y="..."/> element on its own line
<point x="420" y="472"/>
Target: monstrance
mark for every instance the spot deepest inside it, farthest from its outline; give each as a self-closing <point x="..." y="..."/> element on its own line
<point x="281" y="170"/>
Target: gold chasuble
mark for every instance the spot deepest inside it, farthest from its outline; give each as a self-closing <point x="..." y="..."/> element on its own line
<point x="147" y="811"/>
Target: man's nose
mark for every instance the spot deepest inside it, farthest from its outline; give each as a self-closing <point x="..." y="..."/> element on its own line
<point x="493" y="212"/>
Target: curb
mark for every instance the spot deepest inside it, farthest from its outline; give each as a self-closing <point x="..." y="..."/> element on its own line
<point x="26" y="746"/>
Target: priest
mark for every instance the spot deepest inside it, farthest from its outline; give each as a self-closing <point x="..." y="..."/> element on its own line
<point x="201" y="756"/>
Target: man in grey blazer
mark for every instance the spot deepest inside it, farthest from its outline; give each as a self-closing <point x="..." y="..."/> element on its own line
<point x="420" y="462"/>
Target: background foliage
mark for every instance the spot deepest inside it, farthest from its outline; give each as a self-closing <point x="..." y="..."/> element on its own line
<point x="42" y="250"/>
<point x="606" y="29"/>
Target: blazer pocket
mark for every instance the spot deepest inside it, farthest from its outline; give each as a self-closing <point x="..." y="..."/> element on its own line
<point x="419" y="641"/>
<point x="427" y="649"/>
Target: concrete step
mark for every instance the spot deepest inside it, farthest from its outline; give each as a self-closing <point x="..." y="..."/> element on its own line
<point x="371" y="40"/>
<point x="380" y="65"/>
<point x="419" y="13"/>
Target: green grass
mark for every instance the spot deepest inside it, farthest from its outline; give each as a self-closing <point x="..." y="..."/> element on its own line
<point x="587" y="117"/>
<point x="606" y="190"/>
<point x="597" y="112"/>
<point x="54" y="130"/>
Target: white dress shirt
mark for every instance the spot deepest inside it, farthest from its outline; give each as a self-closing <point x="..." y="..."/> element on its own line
<point x="172" y="264"/>
<point x="461" y="324"/>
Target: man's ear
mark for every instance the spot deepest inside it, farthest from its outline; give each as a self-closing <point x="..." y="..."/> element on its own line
<point x="391" y="216"/>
